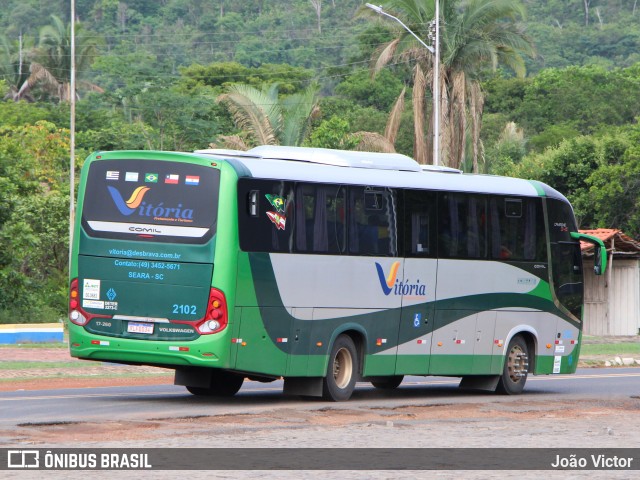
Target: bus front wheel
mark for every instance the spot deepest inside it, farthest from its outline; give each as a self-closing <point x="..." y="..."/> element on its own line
<point x="223" y="384"/>
<point x="516" y="367"/>
<point x="340" y="381"/>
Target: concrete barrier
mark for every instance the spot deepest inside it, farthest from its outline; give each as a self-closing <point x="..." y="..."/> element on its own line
<point x="31" y="333"/>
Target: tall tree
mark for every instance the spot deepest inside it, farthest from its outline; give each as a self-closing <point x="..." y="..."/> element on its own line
<point x="51" y="63"/>
<point x="265" y="118"/>
<point x="14" y="67"/>
<point x="475" y="35"/>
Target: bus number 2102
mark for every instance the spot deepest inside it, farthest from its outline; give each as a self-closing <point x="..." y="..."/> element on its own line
<point x="184" y="309"/>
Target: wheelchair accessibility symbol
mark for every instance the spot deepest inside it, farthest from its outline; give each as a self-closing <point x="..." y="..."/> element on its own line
<point x="417" y="319"/>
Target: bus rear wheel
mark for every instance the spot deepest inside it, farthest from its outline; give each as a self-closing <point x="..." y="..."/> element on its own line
<point x="516" y="367"/>
<point x="223" y="384"/>
<point x="342" y="371"/>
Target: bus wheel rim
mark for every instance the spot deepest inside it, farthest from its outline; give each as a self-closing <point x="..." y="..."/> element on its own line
<point x="342" y="368"/>
<point x="517" y="364"/>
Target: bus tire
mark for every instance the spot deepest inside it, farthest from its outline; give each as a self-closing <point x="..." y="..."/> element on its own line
<point x="388" y="383"/>
<point x="342" y="370"/>
<point x="516" y="367"/>
<point x="223" y="384"/>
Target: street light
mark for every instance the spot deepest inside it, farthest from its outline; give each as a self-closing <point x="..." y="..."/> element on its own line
<point x="436" y="73"/>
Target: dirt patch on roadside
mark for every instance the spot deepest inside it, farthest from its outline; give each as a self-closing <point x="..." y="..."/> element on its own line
<point x="533" y="423"/>
<point x="81" y="382"/>
<point x="75" y="374"/>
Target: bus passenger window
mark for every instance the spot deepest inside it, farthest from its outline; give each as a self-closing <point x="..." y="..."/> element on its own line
<point x="463" y="226"/>
<point x="517" y="229"/>
<point x="372" y="223"/>
<point x="320" y="219"/>
<point x="265" y="215"/>
<point x="420" y="233"/>
<point x="419" y="220"/>
<point x="566" y="260"/>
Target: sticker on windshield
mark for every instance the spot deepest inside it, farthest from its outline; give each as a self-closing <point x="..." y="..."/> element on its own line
<point x="278" y="220"/>
<point x="276" y="201"/>
<point x="192" y="180"/>
<point x="96" y="304"/>
<point x="91" y="289"/>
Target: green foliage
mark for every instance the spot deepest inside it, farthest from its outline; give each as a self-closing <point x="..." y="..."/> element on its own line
<point x="117" y="135"/>
<point x="567" y="167"/>
<point x="379" y="93"/>
<point x="289" y="79"/>
<point x="22" y="113"/>
<point x="506" y="152"/>
<point x="33" y="261"/>
<point x="504" y="94"/>
<point x="34" y="224"/>
<point x="559" y="104"/>
<point x="553" y="135"/>
<point x="268" y="119"/>
<point x="35" y="155"/>
<point x="332" y="133"/>
<point x="613" y="198"/>
<point x="598" y="175"/>
<point x="180" y="122"/>
<point x="588" y="96"/>
<point x="359" y="118"/>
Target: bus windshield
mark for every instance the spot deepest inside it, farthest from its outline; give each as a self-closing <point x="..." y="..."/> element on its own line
<point x="151" y="200"/>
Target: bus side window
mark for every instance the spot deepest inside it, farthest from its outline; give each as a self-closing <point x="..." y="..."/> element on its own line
<point x="517" y="229"/>
<point x="463" y="226"/>
<point x="372" y="221"/>
<point x="566" y="260"/>
<point x="265" y="215"/>
<point x="320" y="219"/>
<point x="305" y="211"/>
<point x="420" y="223"/>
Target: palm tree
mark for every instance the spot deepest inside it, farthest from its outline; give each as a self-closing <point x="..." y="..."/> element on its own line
<point x="475" y="34"/>
<point x="14" y="66"/>
<point x="265" y="118"/>
<point x="51" y="63"/>
<point x="385" y="143"/>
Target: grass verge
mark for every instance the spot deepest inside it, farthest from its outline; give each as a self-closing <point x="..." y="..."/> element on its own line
<point x="618" y="349"/>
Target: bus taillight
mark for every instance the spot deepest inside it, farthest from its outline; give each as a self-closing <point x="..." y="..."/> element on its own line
<point x="216" y="318"/>
<point x="75" y="312"/>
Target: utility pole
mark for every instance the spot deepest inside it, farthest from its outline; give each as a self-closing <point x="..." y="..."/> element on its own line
<point x="72" y="130"/>
<point x="436" y="72"/>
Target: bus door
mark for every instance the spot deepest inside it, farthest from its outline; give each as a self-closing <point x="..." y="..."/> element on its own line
<point x="418" y="316"/>
<point x="462" y="282"/>
<point x="418" y="282"/>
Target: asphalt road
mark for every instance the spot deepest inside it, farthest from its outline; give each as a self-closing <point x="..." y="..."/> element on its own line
<point x="165" y="401"/>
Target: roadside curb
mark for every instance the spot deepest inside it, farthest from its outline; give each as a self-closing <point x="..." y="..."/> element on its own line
<point x="12" y="334"/>
<point x="622" y="361"/>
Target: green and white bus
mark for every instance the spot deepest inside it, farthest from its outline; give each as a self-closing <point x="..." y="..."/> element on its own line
<point x="322" y="267"/>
